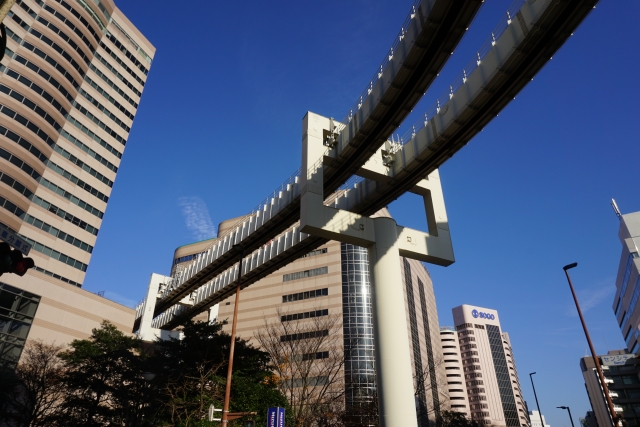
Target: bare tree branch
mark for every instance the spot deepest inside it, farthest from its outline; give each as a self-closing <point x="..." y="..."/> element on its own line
<point x="308" y="360"/>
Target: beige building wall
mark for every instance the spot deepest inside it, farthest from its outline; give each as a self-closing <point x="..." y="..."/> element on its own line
<point x="70" y="85"/>
<point x="263" y="302"/>
<point x="456" y="384"/>
<point x="488" y="365"/>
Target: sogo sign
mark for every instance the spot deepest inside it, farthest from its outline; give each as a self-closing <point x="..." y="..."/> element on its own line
<point x="488" y="316"/>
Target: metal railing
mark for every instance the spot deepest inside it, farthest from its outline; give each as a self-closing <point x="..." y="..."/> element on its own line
<point x="461" y="79"/>
<point x="386" y="59"/>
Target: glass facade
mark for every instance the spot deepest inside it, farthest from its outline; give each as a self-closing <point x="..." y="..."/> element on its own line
<point x="359" y="368"/>
<point x="625" y="280"/>
<point x="17" y="310"/>
<point x="502" y="375"/>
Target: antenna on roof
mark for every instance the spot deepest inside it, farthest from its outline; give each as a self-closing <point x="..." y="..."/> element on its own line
<point x="614" y="205"/>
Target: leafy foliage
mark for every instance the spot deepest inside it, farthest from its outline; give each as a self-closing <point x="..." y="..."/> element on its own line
<point x="193" y="375"/>
<point x="455" y="419"/>
<point x="104" y="380"/>
<point x="100" y="381"/>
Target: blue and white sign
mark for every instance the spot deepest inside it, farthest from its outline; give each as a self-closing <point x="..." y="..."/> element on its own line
<point x="14" y="240"/>
<point x="475" y="313"/>
<point x="616" y="359"/>
<point x="275" y="417"/>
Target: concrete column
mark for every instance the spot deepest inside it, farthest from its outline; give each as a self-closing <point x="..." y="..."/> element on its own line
<point x="393" y="359"/>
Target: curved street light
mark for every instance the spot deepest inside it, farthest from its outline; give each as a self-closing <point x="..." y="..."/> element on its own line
<point x="567" y="408"/>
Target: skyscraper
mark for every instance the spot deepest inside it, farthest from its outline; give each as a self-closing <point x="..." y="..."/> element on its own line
<point x="70" y="83"/>
<point x="489" y="369"/>
<point x="625" y="303"/>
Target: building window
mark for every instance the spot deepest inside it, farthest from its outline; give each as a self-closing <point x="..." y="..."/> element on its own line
<point x="305" y="315"/>
<point x="18" y="308"/>
<point x="305" y="295"/>
<point x="304" y="335"/>
<point x="502" y="376"/>
<point x="314" y="253"/>
<point x="625" y="280"/>
<point x="304" y="274"/>
<point x="187" y="258"/>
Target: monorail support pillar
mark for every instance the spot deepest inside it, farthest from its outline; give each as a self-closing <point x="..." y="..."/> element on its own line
<point x="386" y="242"/>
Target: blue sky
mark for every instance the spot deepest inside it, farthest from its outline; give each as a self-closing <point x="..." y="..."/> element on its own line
<point x="219" y="128"/>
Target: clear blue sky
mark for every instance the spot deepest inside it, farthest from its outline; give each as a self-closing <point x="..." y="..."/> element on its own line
<point x="219" y="128"/>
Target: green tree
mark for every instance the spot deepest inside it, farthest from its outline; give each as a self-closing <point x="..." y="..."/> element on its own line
<point x="192" y="376"/>
<point x="455" y="419"/>
<point x="104" y="381"/>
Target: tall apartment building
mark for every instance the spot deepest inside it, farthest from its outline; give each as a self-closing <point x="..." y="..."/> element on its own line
<point x="489" y="369"/>
<point x="334" y="280"/>
<point x="622" y="375"/>
<point x="625" y="302"/>
<point x="70" y="84"/>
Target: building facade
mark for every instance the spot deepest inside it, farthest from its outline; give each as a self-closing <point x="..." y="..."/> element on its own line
<point x="492" y="383"/>
<point x="625" y="303"/>
<point x="621" y="371"/>
<point x="70" y="82"/>
<point x="334" y="280"/>
<point x="537" y="420"/>
<point x="456" y="384"/>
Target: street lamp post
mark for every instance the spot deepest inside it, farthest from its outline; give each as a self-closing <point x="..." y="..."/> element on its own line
<point x="596" y="360"/>
<point x="567" y="408"/>
<point x="536" y="396"/>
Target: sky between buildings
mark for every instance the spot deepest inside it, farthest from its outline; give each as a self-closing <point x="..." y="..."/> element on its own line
<point x="219" y="128"/>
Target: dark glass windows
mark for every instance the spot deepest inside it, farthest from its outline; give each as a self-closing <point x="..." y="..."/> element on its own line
<point x="305" y="295"/>
<point x="304" y="274"/>
<point x="502" y="375"/>
<point x="17" y="309"/>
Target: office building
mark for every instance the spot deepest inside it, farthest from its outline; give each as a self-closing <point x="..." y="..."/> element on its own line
<point x="589" y="420"/>
<point x="334" y="280"/>
<point x="621" y="371"/>
<point x="625" y="303"/>
<point x="489" y="368"/>
<point x="536" y="420"/>
<point x="456" y="385"/>
<point x="70" y="85"/>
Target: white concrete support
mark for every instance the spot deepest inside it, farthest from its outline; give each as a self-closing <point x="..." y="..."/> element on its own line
<point x="393" y="360"/>
<point x="146" y="332"/>
<point x="386" y="242"/>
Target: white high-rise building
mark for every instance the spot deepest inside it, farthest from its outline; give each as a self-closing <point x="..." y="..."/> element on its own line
<point x="489" y="369"/>
<point x="534" y="416"/>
